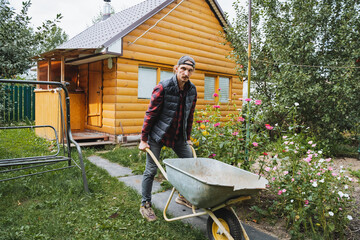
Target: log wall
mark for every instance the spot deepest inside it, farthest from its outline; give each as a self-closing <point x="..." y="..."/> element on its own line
<point x="191" y="29"/>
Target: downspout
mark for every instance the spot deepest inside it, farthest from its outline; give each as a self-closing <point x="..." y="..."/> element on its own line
<point x="247" y="166"/>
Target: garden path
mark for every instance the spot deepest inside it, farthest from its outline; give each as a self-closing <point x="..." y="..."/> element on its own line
<point x="125" y="175"/>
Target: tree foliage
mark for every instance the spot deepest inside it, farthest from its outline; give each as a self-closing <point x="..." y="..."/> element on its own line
<point x="304" y="52"/>
<point x="19" y="41"/>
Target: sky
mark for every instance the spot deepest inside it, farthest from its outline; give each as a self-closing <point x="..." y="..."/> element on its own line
<point x="78" y="14"/>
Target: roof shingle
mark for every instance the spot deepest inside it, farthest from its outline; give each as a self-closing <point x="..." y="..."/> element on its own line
<point x="103" y="33"/>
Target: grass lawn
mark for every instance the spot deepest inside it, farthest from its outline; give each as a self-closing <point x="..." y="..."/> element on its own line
<point x="55" y="206"/>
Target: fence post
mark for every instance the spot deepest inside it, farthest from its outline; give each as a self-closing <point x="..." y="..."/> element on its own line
<point x="16" y="103"/>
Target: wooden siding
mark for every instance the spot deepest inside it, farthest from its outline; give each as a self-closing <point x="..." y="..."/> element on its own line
<point x="48" y="115"/>
<point x="191" y="29"/>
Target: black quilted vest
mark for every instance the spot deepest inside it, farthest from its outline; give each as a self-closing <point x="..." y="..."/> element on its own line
<point x="171" y="105"/>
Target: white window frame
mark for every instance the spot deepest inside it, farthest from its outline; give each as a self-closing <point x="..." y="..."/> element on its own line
<point x="147" y="78"/>
<point x="224" y="85"/>
<point x="209" y="88"/>
<point x="165" y="74"/>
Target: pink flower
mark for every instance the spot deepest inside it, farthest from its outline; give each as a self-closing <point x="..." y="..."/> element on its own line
<point x="257" y="102"/>
<point x="235" y="133"/>
<point x="310" y="142"/>
<point x="273" y="178"/>
<point x="265" y="153"/>
<point x="268" y="127"/>
<point x="267" y="169"/>
<point x="199" y="121"/>
<point x="219" y="89"/>
<point x="241" y="99"/>
<point x="286" y="142"/>
<point x="284" y="190"/>
<point x="318" y="174"/>
<point x="216" y="124"/>
<point x="292" y="179"/>
<point x="280" y="192"/>
<point x="313" y="145"/>
<point x="216" y="106"/>
<point x="306" y="202"/>
<point x="274" y="168"/>
<point x="215" y="95"/>
<point x="334" y="174"/>
<point x="285" y="172"/>
<point x="241" y="119"/>
<point x="212" y="155"/>
<point x="248" y="99"/>
<point x="255" y="144"/>
<point x="330" y="169"/>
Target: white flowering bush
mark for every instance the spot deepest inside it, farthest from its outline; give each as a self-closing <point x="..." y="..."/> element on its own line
<point x="313" y="197"/>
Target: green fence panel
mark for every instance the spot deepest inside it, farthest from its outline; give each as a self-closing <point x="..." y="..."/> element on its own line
<point x="19" y="103"/>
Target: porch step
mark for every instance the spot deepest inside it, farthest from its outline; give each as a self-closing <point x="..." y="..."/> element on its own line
<point x="89" y="144"/>
<point x="89" y="136"/>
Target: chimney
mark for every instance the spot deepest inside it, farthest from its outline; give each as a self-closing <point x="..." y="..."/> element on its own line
<point x="107" y="10"/>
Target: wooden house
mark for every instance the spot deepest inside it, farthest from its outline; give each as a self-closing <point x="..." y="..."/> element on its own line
<point x="112" y="66"/>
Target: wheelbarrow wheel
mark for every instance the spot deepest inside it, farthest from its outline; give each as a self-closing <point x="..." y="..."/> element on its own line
<point x="229" y="221"/>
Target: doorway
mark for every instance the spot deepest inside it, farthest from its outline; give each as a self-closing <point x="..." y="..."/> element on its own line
<point x="94" y="116"/>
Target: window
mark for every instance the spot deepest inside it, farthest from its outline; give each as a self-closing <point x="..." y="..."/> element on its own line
<point x="164" y="75"/>
<point x="212" y="83"/>
<point x="209" y="88"/>
<point x="147" y="81"/>
<point x="224" y="86"/>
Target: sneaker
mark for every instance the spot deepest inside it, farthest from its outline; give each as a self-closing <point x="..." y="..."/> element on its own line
<point x="181" y="200"/>
<point x="147" y="212"/>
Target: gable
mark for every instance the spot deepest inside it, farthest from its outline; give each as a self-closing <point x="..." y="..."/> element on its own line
<point x="190" y="28"/>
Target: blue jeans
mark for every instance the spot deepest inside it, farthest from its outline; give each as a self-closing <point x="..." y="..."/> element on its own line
<point x="182" y="150"/>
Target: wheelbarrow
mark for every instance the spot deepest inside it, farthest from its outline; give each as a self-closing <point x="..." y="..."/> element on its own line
<point x="211" y="187"/>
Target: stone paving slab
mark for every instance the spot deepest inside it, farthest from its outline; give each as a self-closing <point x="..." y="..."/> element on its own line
<point x="114" y="169"/>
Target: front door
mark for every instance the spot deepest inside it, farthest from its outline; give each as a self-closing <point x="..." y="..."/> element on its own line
<point x="94" y="117"/>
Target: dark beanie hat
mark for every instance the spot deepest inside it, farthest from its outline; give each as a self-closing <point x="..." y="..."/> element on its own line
<point x="184" y="59"/>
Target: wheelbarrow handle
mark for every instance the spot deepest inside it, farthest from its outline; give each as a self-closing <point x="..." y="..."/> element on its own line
<point x="193" y="151"/>
<point x="158" y="163"/>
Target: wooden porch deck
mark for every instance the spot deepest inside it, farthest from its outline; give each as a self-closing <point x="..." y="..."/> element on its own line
<point x="88" y="138"/>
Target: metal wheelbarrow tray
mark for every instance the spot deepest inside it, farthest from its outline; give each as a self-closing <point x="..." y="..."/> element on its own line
<point x="207" y="182"/>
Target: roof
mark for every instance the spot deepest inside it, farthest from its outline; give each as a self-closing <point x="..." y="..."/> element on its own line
<point x="102" y="35"/>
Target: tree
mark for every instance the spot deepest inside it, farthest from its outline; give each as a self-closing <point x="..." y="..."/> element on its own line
<point x="19" y="42"/>
<point x="304" y="52"/>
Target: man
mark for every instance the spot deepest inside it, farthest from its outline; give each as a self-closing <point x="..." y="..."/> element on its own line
<point x="168" y="122"/>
